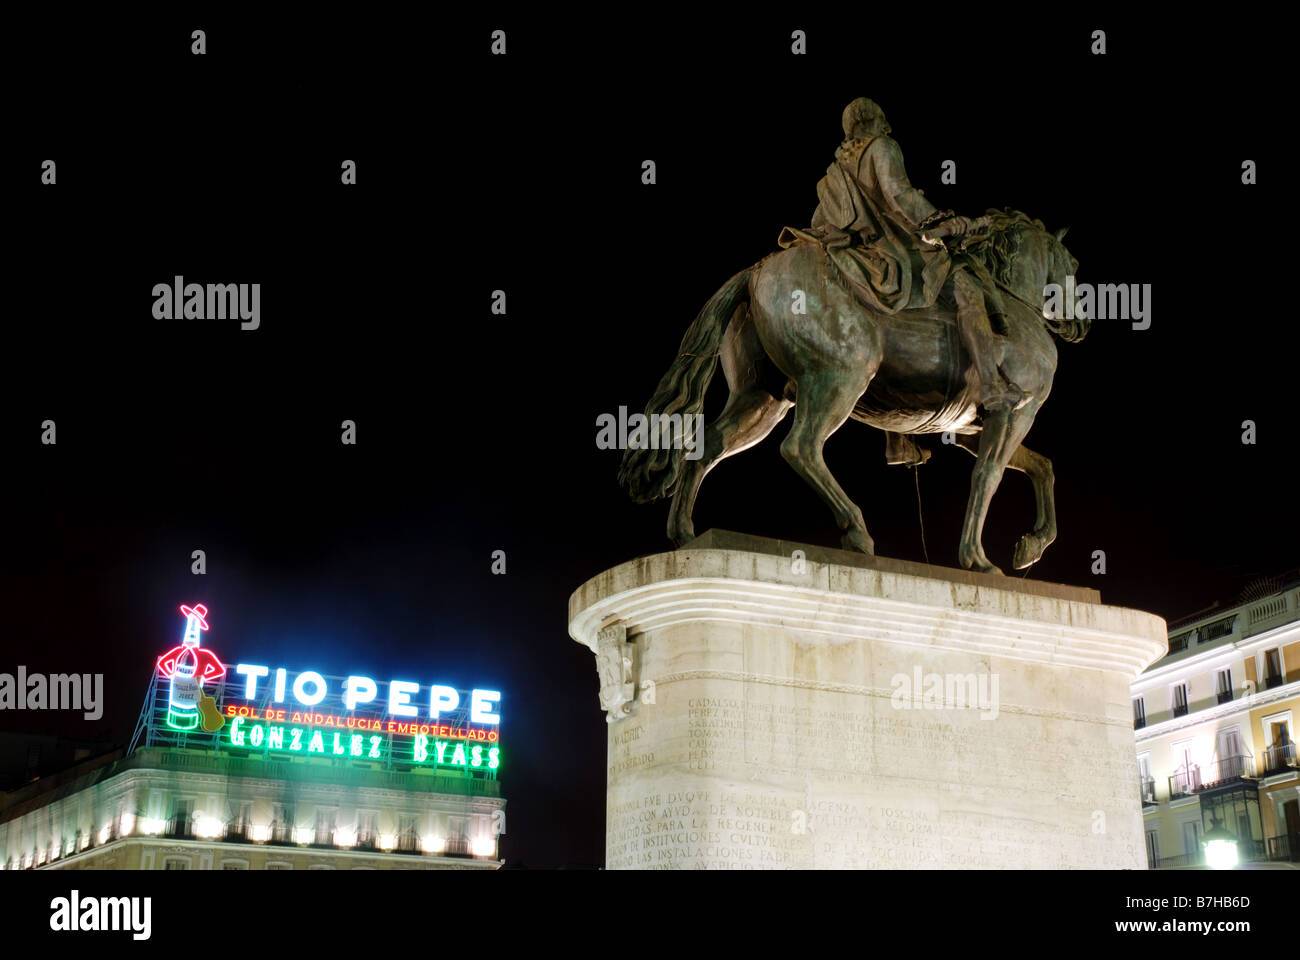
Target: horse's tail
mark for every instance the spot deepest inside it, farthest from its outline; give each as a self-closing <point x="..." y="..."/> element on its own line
<point x="651" y="472"/>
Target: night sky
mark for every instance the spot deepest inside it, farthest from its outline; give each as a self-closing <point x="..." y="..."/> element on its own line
<point x="477" y="432"/>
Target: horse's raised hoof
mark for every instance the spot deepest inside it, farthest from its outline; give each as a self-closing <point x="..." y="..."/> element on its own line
<point x="1029" y="550"/>
<point x="858" y="540"/>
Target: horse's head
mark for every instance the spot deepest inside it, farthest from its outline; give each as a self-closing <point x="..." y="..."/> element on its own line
<point x="1062" y="264"/>
<point x="1025" y="257"/>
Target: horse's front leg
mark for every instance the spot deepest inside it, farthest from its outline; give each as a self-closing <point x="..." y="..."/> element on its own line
<point x="1000" y="437"/>
<point x="1031" y="546"/>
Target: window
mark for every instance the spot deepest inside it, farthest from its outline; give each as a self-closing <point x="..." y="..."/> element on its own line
<point x="1145" y="779"/>
<point x="1231" y="754"/>
<point x="457" y="836"/>
<point x="176" y="863"/>
<point x="182" y="816"/>
<point x="1187" y="774"/>
<point x="1272" y="668"/>
<point x="1180" y="699"/>
<point x="1192" y="841"/>
<point x="234" y="864"/>
<point x="367" y="828"/>
<point x="326" y="820"/>
<point x="283" y="820"/>
<point x="408" y="833"/>
<point x="1153" y="848"/>
<point x="239" y="819"/>
<point x="1139" y="714"/>
<point x="1280" y="754"/>
<point x="278" y="865"/>
<point x="1225" y="684"/>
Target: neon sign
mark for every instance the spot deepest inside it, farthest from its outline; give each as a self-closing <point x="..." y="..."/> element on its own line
<point x="260" y="710"/>
<point x="188" y="667"/>
<point x="309" y="688"/>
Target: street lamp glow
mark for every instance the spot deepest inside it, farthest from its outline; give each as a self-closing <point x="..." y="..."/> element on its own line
<point x="1221" y="854"/>
<point x="1220" y="848"/>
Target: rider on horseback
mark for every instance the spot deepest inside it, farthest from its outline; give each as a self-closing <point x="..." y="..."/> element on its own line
<point x="866" y="194"/>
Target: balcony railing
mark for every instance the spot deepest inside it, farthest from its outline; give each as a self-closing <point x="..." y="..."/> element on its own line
<point x="281" y="833"/>
<point x="1185" y="782"/>
<point x="1225" y="696"/>
<point x="1148" y="786"/>
<point x="180" y="828"/>
<point x="237" y="833"/>
<point x="1188" y="781"/>
<point x="1280" y="757"/>
<point x="1180" y="709"/>
<point x="1274" y="680"/>
<point x="1285" y="846"/>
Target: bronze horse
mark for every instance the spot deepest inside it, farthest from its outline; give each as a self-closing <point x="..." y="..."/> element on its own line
<point x="903" y="373"/>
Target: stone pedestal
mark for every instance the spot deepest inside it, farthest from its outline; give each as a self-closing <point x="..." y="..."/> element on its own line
<point x="779" y="705"/>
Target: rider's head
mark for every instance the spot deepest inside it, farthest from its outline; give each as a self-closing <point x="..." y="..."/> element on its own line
<point x="864" y="118"/>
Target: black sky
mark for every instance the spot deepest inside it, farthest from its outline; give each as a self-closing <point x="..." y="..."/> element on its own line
<point x="477" y="432"/>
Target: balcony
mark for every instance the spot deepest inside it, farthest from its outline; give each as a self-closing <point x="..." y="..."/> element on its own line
<point x="1225" y="696"/>
<point x="1280" y="757"/>
<point x="236" y="833"/>
<point x="1180" y="709"/>
<point x="1189" y="781"/>
<point x="1283" y="847"/>
<point x="1148" y="790"/>
<point x="457" y="847"/>
<point x="1227" y="770"/>
<point x="281" y="833"/>
<point x="1274" y="680"/>
<point x="179" y="828"/>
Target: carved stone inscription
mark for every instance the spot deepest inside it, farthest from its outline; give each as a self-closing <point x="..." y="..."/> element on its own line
<point x="750" y="776"/>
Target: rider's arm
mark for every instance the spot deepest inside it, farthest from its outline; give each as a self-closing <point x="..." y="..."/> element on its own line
<point x="892" y="177"/>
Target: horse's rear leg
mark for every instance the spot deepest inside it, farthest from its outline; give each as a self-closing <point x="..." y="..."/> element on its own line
<point x="823" y="406"/>
<point x="750" y="415"/>
<point x="1030" y="547"/>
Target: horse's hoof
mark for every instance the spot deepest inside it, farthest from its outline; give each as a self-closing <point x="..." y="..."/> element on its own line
<point x="680" y="538"/>
<point x="859" y="541"/>
<point x="981" y="566"/>
<point x="1028" y="552"/>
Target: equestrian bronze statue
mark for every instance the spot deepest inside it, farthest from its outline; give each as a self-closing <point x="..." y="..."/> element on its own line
<point x="910" y="319"/>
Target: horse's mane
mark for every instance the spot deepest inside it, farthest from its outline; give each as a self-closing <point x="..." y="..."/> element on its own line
<point x="997" y="248"/>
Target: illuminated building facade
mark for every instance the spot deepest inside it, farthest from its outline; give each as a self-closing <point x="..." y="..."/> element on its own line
<point x="250" y="767"/>
<point x="1214" y="722"/>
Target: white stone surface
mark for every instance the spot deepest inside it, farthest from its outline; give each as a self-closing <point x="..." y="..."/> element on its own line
<point x="757" y="718"/>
